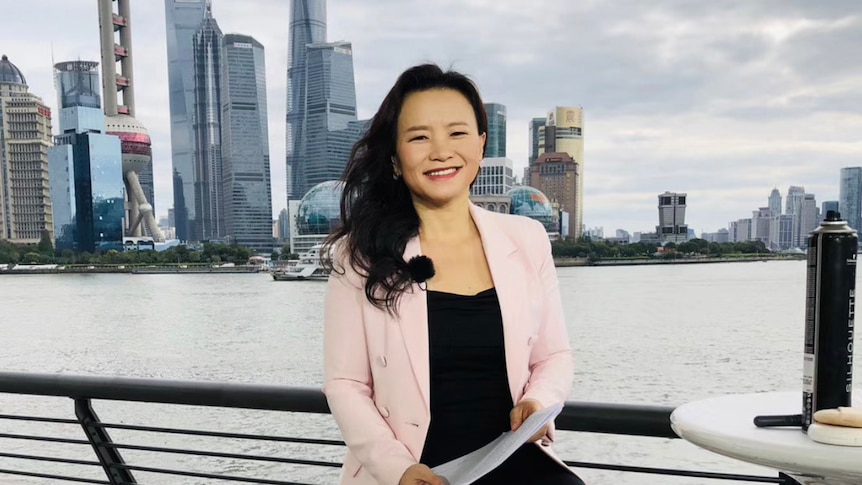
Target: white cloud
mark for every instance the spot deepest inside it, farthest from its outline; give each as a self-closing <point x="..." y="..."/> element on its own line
<point x="723" y="102"/>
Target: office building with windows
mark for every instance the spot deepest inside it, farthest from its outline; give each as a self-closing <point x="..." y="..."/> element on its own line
<point x="563" y="133"/>
<point x="850" y="196"/>
<point x="671" y="217"/>
<point x="307" y="26"/>
<point x="182" y="19"/>
<point x="25" y="137"/>
<point x="496" y="177"/>
<point x="495" y="146"/>
<point x="208" y="221"/>
<point x="85" y="166"/>
<point x="557" y="175"/>
<point x="245" y="144"/>
<point x="331" y="127"/>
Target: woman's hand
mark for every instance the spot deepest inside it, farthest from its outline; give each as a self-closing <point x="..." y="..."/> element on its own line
<point x="420" y="474"/>
<point x="522" y="411"/>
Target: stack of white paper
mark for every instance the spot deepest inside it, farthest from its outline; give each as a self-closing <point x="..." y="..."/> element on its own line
<point x="473" y="466"/>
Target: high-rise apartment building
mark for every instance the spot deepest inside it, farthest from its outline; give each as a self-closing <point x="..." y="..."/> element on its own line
<point x="85" y="166"/>
<point x="775" y="202"/>
<point x="536" y="142"/>
<point x="208" y="220"/>
<point x="496" y="177"/>
<point x="671" y="217"/>
<point x="781" y="233"/>
<point x="25" y="136"/>
<point x="495" y="146"/>
<point x="794" y="199"/>
<point x="307" y="26"/>
<point x="760" y="224"/>
<point x="809" y="219"/>
<point x="182" y="20"/>
<point x="850" y="196"/>
<point x="245" y="144"/>
<point x="558" y="176"/>
<point x="563" y="133"/>
<point x="740" y="230"/>
<point x="330" y="114"/>
<point x="793" y="207"/>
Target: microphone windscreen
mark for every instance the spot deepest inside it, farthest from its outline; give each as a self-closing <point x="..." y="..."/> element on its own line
<point x="421" y="268"/>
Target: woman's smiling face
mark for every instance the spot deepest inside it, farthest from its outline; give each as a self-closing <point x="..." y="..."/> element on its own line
<point x="439" y="146"/>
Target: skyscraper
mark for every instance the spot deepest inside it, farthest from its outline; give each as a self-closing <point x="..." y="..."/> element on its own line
<point x="563" y="133"/>
<point x="536" y="141"/>
<point x="775" y="202"/>
<point x="245" y="144"/>
<point x="850" y="196"/>
<point x="85" y="166"/>
<point x="496" y="143"/>
<point x="557" y="175"/>
<point x="307" y="26"/>
<point x="25" y="135"/>
<point x="116" y="46"/>
<point x="208" y="221"/>
<point x="182" y="20"/>
<point x="330" y="100"/>
<point x="671" y="217"/>
<point x="794" y="199"/>
<point x="809" y="216"/>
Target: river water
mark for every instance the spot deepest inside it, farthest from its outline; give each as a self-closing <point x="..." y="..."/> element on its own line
<point x="664" y="334"/>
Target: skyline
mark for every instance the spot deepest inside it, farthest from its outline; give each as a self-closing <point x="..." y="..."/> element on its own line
<point x="721" y="103"/>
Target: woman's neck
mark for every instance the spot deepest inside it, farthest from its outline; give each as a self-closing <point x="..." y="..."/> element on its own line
<point x="449" y="224"/>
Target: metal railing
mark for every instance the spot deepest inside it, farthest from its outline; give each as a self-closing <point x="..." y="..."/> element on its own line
<point x="618" y="419"/>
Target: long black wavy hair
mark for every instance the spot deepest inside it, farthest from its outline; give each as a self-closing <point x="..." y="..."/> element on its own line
<point x="377" y="213"/>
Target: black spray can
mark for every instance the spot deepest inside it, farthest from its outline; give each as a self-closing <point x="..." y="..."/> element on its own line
<point x="829" y="312"/>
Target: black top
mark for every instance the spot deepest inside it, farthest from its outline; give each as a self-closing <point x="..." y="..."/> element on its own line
<point x="470" y="396"/>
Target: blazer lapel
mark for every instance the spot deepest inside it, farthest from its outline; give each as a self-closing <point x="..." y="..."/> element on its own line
<point x="413" y="320"/>
<point x="510" y="283"/>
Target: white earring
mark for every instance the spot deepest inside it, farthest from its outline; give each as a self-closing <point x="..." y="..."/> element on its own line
<point x="395" y="173"/>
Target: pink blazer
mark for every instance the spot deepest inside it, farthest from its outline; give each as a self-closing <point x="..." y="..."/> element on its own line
<point x="376" y="366"/>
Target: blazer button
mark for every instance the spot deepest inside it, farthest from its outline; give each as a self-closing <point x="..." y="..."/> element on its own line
<point x="381" y="360"/>
<point x="384" y="411"/>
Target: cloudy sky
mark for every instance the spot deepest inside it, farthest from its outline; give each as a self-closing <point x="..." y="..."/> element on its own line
<point x="723" y="100"/>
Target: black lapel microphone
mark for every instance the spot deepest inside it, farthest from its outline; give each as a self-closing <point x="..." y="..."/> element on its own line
<point x="421" y="269"/>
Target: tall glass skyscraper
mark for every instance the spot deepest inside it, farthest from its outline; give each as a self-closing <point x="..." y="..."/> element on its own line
<point x="496" y="146"/>
<point x="307" y="26"/>
<point x="330" y="111"/>
<point x="244" y="143"/>
<point x="183" y="18"/>
<point x="536" y="141"/>
<point x="209" y="206"/>
<point x="85" y="165"/>
<point x="850" y="196"/>
<point x="775" y="202"/>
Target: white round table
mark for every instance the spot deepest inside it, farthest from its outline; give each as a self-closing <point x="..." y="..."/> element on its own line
<point x="725" y="425"/>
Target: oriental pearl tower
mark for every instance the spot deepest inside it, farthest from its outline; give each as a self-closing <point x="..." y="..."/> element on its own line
<point x="118" y="88"/>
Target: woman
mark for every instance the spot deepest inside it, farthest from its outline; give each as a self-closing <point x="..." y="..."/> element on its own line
<point x="422" y="364"/>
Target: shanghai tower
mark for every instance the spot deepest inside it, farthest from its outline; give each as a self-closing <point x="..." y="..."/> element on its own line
<point x="307" y="26"/>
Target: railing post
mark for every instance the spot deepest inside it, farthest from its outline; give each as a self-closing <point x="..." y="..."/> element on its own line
<point x="98" y="437"/>
<point x="787" y="479"/>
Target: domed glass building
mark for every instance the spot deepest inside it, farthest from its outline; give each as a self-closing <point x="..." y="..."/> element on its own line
<point x="9" y="73"/>
<point x="532" y="203"/>
<point x="319" y="211"/>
